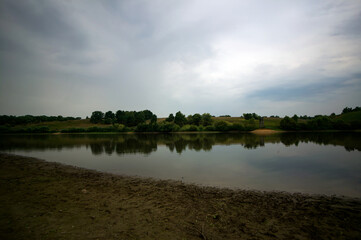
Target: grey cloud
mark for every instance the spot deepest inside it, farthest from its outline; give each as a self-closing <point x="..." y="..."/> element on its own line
<point x="44" y="20"/>
<point x="302" y="92"/>
<point x="350" y="27"/>
<point x="116" y="54"/>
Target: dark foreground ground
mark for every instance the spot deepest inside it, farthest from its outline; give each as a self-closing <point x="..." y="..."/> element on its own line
<point x="43" y="200"/>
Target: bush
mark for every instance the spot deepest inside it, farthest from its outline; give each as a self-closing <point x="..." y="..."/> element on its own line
<point x="42" y="129"/>
<point x="341" y="125"/>
<point x="73" y="130"/>
<point x="118" y="127"/>
<point x="209" y="128"/>
<point x="4" y="129"/>
<point x="168" y="127"/>
<point x="142" y="127"/>
<point x="98" y="129"/>
<point x="152" y="127"/>
<point x="356" y="124"/>
<point x="221" y="126"/>
<point x="189" y="128"/>
<point x="236" y="127"/>
<point x="288" y="123"/>
<point x="250" y="125"/>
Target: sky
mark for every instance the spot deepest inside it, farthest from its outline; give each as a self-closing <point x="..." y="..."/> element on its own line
<point x="278" y="57"/>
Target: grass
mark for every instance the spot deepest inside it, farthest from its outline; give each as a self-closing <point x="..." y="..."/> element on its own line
<point x="60" y="125"/>
<point x="349" y="117"/>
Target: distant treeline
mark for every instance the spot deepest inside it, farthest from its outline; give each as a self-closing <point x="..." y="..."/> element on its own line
<point x="17" y="120"/>
<point x="320" y="122"/>
<point x="347" y="109"/>
<point x="127" y="118"/>
<point x="146" y="121"/>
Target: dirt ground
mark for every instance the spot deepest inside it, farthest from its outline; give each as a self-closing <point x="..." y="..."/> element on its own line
<point x="43" y="200"/>
<point x="264" y="131"/>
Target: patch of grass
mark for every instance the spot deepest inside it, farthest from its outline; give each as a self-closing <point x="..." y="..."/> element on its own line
<point x="60" y="125"/>
<point x="349" y="117"/>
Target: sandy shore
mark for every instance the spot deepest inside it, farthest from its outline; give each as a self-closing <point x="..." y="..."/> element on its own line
<point x="43" y="200"/>
<point x="265" y="131"/>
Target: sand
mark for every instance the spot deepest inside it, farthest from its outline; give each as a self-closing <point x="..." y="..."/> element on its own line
<point x="265" y="131"/>
<point x="44" y="200"/>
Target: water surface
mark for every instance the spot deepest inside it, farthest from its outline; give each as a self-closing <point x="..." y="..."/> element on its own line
<point x="321" y="163"/>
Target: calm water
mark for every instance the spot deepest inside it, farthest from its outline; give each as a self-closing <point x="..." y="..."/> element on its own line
<point x="322" y="163"/>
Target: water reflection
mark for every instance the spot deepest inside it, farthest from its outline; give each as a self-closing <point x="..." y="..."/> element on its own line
<point x="148" y="143"/>
<point x="294" y="162"/>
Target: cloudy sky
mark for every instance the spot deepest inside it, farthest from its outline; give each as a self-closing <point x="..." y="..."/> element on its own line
<point x="223" y="57"/>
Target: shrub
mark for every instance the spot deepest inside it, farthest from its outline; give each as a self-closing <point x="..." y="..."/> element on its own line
<point x="73" y="130"/>
<point x="168" y="127"/>
<point x="341" y="125"/>
<point x="288" y="123"/>
<point x="356" y="124"/>
<point x="250" y="125"/>
<point x="143" y="127"/>
<point x="42" y="129"/>
<point x="4" y="129"/>
<point x="236" y="127"/>
<point x="209" y="128"/>
<point x="189" y="128"/>
<point x="99" y="129"/>
<point x="221" y="126"/>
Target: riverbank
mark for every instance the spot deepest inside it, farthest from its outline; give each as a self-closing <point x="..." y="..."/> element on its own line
<point x="265" y="131"/>
<point x="44" y="200"/>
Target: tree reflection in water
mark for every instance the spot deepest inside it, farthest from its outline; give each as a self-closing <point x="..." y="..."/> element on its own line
<point x="179" y="142"/>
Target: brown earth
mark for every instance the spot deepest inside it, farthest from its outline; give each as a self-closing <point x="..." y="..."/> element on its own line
<point x="264" y="131"/>
<point x="43" y="200"/>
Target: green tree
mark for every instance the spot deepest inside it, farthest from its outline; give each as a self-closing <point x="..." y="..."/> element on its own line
<point x="221" y="126"/>
<point x="96" y="117"/>
<point x="147" y="114"/>
<point x="120" y="117"/>
<point x="180" y="119"/>
<point x="206" y="119"/>
<point x="109" y="117"/>
<point x="189" y="119"/>
<point x="247" y="116"/>
<point x="139" y="118"/>
<point x="288" y="123"/>
<point x="170" y="118"/>
<point x="153" y="119"/>
<point x="197" y="118"/>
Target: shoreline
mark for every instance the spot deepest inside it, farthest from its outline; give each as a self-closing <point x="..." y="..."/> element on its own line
<point x="46" y="200"/>
<point x="256" y="131"/>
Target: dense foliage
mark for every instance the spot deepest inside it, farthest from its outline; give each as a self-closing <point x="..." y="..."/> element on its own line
<point x="347" y="109"/>
<point x="127" y="118"/>
<point x="319" y="123"/>
<point x="249" y="116"/>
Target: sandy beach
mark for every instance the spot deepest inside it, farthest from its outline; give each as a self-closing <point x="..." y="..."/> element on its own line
<point x="44" y="200"/>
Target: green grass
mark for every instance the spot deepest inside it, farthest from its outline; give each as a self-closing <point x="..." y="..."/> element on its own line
<point x="60" y="125"/>
<point x="349" y="117"/>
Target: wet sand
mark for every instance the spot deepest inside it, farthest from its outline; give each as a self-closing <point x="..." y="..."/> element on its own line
<point x="44" y="200"/>
<point x="265" y="131"/>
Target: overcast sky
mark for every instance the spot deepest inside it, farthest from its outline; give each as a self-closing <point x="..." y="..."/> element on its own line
<point x="223" y="57"/>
